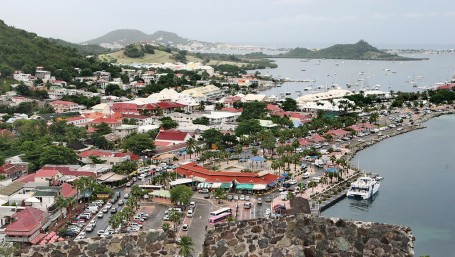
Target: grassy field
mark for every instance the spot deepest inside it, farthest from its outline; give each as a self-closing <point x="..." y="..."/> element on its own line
<point x="5" y="84"/>
<point x="157" y="57"/>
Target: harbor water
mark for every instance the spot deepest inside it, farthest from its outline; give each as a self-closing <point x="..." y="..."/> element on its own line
<point x="418" y="186"/>
<point x="312" y="76"/>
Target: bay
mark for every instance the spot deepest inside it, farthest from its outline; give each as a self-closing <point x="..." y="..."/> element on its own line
<point x="418" y="186"/>
<point x="386" y="75"/>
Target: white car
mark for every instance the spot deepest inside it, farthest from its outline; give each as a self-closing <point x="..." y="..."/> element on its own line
<point x="247" y="198"/>
<point x="132" y="224"/>
<point x="101" y="232"/>
<point x="242" y="197"/>
<point x="100" y="215"/>
<point x="185" y="227"/>
<point x="292" y="181"/>
<point x="189" y="213"/>
<point x="192" y="204"/>
<point x="306" y="175"/>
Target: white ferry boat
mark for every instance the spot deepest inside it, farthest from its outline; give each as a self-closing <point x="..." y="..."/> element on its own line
<point x="364" y="188"/>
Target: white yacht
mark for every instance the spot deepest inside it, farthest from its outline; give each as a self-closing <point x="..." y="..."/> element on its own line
<point x="364" y="188"/>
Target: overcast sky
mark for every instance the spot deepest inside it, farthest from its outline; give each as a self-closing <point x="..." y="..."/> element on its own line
<point x="267" y="22"/>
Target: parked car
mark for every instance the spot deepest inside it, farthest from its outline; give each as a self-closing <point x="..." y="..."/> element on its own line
<point x="207" y="196"/>
<point x="247" y="197"/>
<point x="259" y="201"/>
<point x="268" y="199"/>
<point x="189" y="213"/>
<point x="306" y="175"/>
<point x="185" y="227"/>
<point x="242" y="198"/>
<point x="236" y="197"/>
<point x="137" y="224"/>
<point x="247" y="205"/>
<point x="128" y="184"/>
<point x="89" y="228"/>
<point x="121" y="202"/>
<point x="204" y="191"/>
<point x="292" y="182"/>
<point x="192" y="204"/>
<point x="230" y="197"/>
<point x="114" y="210"/>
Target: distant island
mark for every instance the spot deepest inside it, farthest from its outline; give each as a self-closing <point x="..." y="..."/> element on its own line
<point x="358" y="51"/>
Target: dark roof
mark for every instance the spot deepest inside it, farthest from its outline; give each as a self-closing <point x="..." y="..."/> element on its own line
<point x="50" y="116"/>
<point x="76" y="145"/>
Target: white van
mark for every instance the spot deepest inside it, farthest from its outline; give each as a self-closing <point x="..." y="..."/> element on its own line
<point x="284" y="196"/>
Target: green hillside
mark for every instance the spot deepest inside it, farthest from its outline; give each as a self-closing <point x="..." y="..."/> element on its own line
<point x="359" y="51"/>
<point x="22" y="50"/>
<point x="122" y="36"/>
<point x="89" y="49"/>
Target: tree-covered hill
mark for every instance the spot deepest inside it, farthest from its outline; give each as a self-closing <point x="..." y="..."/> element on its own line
<point x="86" y="49"/>
<point x="126" y="37"/>
<point x="359" y="51"/>
<point x="22" y="50"/>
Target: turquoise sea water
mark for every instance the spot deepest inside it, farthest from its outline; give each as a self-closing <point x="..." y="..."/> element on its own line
<point x="418" y="187"/>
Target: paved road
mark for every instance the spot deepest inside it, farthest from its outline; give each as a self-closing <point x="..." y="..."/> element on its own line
<point x="198" y="224"/>
<point x="102" y="223"/>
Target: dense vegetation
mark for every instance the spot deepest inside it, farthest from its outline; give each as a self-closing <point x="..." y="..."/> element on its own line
<point x="82" y="49"/>
<point x="22" y="50"/>
<point x="359" y="51"/>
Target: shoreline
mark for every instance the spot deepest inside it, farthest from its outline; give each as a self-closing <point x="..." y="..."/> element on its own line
<point x="353" y="151"/>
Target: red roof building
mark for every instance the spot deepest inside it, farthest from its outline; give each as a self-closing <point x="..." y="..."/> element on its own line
<point x="27" y="225"/>
<point x="109" y="121"/>
<point x="172" y="136"/>
<point x="338" y="133"/>
<point x="64" y="106"/>
<point x="316" y="138"/>
<point x="13" y="171"/>
<point x="125" y="108"/>
<point x="231" y="109"/>
<point x="68" y="190"/>
<point x="201" y="174"/>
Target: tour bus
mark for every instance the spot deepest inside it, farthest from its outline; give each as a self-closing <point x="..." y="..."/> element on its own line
<point x="151" y="187"/>
<point x="220" y="211"/>
<point x="219" y="218"/>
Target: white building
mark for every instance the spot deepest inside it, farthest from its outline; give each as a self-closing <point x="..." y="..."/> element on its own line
<point x="217" y="118"/>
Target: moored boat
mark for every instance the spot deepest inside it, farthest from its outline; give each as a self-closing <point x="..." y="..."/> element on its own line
<point x="363" y="188"/>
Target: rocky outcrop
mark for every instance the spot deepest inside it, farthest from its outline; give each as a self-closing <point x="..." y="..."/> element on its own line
<point x="154" y="243"/>
<point x="307" y="236"/>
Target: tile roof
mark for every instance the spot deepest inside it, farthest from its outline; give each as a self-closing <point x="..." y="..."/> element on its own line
<point x="46" y="173"/>
<point x="68" y="190"/>
<point x="192" y="169"/>
<point x="9" y="168"/>
<point x="172" y="135"/>
<point x="106" y="120"/>
<point x="27" y="222"/>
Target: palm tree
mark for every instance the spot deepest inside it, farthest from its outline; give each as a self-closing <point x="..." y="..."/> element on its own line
<point x="175" y="217"/>
<point x="190" y="146"/>
<point x="238" y="150"/>
<point x="166" y="226"/>
<point x="186" y="246"/>
<point x="312" y="185"/>
<point x="71" y="202"/>
<point x="219" y="193"/>
<point x="62" y="203"/>
<point x="333" y="159"/>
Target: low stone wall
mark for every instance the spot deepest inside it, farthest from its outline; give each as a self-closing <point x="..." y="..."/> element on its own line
<point x="307" y="236"/>
<point x="154" y="243"/>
